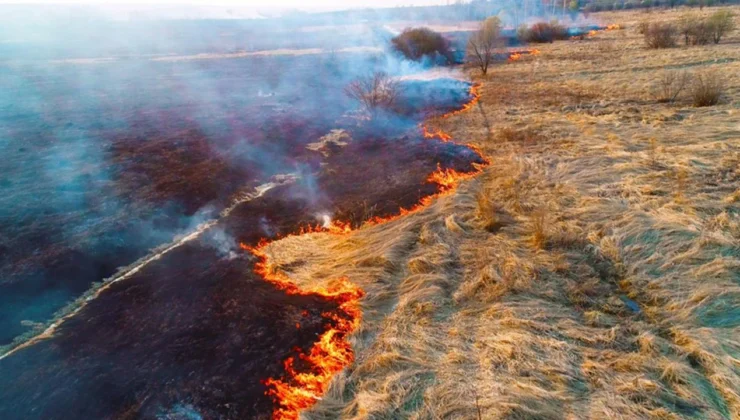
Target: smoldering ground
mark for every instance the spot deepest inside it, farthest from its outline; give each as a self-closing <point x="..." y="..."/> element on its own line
<point x="110" y="158"/>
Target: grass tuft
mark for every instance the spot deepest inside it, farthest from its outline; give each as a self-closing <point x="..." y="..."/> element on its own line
<point x="707" y="89"/>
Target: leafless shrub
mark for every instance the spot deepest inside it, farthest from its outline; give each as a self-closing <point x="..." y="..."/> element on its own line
<point x="694" y="29"/>
<point x="707" y="89"/>
<point x="642" y="27"/>
<point x="670" y="85"/>
<point x="416" y="43"/>
<point x="483" y="44"/>
<point x="720" y="23"/>
<point x="560" y="32"/>
<point x="375" y="92"/>
<point x="660" y="35"/>
<point x="542" y="32"/>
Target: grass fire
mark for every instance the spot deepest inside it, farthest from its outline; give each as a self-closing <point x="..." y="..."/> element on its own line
<point x="480" y="210"/>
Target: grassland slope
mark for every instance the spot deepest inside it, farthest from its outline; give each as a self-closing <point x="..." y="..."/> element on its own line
<point x="591" y="271"/>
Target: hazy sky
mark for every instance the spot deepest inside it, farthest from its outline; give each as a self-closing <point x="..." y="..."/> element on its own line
<point x="251" y="4"/>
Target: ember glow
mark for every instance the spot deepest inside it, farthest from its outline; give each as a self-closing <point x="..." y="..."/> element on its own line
<point x="518" y="54"/>
<point x="474" y="98"/>
<point x="308" y="375"/>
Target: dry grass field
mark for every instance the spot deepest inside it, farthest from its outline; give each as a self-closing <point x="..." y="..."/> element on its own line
<point x="591" y="271"/>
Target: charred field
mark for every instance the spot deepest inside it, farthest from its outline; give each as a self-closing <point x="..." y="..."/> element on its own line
<point x="203" y="231"/>
<point x="134" y="187"/>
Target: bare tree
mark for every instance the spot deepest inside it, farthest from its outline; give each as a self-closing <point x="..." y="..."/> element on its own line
<point x="379" y="91"/>
<point x="483" y="44"/>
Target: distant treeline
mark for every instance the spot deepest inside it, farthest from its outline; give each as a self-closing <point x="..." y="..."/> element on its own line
<point x="511" y="12"/>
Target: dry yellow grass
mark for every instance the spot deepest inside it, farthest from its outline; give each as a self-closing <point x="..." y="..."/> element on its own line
<point x="592" y="273"/>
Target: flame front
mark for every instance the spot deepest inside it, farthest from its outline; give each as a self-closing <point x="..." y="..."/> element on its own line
<point x="448" y="179"/>
<point x="516" y="55"/>
<point x="308" y="376"/>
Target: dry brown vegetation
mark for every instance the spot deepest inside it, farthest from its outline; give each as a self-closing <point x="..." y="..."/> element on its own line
<point x="661" y="35"/>
<point x="417" y="43"/>
<point x="707" y="89"/>
<point x="483" y="44"/>
<point x="592" y="273"/>
<point x="542" y="32"/>
<point x="670" y="84"/>
<point x="376" y="92"/>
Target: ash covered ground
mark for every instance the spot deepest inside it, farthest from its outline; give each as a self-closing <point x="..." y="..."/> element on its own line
<point x="109" y="155"/>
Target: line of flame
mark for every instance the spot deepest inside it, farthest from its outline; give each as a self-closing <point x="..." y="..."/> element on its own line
<point x="299" y="390"/>
<point x="518" y="54"/>
<point x="594" y="32"/>
<point x="307" y="378"/>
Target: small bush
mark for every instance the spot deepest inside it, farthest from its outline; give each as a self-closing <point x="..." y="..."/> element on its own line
<point x="560" y="32"/>
<point x="706" y="90"/>
<point x="670" y="85"/>
<point x="376" y="92"/>
<point x="542" y="32"/>
<point x="418" y="43"/>
<point x="660" y="35"/>
<point x="719" y="24"/>
<point x="694" y="29"/>
<point x="642" y="27"/>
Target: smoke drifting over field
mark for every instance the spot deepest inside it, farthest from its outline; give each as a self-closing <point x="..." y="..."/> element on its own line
<point x="134" y="157"/>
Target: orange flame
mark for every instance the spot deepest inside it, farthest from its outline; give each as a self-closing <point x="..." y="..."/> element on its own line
<point x="474" y="93"/>
<point x="334" y="227"/>
<point x="438" y="134"/>
<point x="516" y="55"/>
<point x="307" y="378"/>
<point x="613" y="27"/>
<point x="448" y="179"/>
<point x="298" y="390"/>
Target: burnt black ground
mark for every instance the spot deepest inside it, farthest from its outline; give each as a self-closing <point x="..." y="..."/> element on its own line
<point x="197" y="330"/>
<point x="102" y="162"/>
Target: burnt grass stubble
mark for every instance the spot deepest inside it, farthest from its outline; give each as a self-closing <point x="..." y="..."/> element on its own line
<point x="197" y="329"/>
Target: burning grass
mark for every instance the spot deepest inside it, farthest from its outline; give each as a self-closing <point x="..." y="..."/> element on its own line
<point x="570" y="278"/>
<point x="308" y="374"/>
